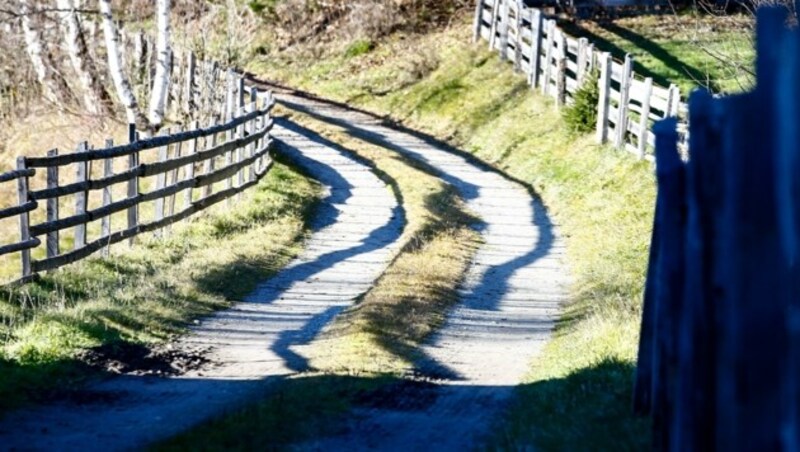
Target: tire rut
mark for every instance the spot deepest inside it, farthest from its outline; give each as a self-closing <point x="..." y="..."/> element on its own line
<point x="355" y="234"/>
<point x="510" y="300"/>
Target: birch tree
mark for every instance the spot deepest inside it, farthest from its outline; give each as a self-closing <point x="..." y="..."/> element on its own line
<point x="116" y="68"/>
<point x="95" y="97"/>
<point x="55" y="88"/>
<point x="158" y="97"/>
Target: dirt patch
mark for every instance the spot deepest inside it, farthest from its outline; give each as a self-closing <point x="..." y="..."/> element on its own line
<point x="138" y="359"/>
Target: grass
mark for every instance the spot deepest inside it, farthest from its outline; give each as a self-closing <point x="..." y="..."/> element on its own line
<point x="687" y="49"/>
<point x="577" y="395"/>
<point x="369" y="347"/>
<point x="148" y="293"/>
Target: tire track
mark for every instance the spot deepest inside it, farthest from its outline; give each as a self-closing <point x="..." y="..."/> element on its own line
<point x="509" y="302"/>
<point x="355" y="234"/>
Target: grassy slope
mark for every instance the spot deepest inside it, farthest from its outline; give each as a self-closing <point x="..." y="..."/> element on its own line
<point x="367" y="348"/>
<point x="678" y="48"/>
<point x="151" y="291"/>
<point x="577" y="395"/>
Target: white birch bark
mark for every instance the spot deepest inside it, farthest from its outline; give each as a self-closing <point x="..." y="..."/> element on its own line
<point x="115" y="67"/>
<point x="158" y="97"/>
<point x="95" y="97"/>
<point x="53" y="89"/>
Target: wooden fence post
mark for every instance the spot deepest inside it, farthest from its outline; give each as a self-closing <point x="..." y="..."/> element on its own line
<point x="133" y="184"/>
<point x="505" y="13"/>
<point x="172" y="179"/>
<point x="209" y="165"/>
<point x="253" y="128"/>
<point x="561" y="74"/>
<point x="230" y="134"/>
<point x="105" y="222"/>
<point x="264" y="120"/>
<point x="644" y="120"/>
<point x="583" y="46"/>
<point x="493" y="28"/>
<point x="240" y="131"/>
<point x="624" y="98"/>
<point x="603" y="105"/>
<point x="53" y="239"/>
<point x="161" y="182"/>
<point x="24" y="218"/>
<point x="673" y="101"/>
<point x="536" y="46"/>
<point x="189" y="169"/>
<point x="478" y="23"/>
<point x="548" y="59"/>
<point x="81" y="198"/>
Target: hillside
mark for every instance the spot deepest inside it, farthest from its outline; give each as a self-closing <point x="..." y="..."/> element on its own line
<point x="368" y="236"/>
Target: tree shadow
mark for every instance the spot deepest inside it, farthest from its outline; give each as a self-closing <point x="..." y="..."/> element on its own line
<point x="647" y="45"/>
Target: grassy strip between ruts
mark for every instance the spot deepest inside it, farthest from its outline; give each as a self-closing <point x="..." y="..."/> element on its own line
<point x="367" y="349"/>
<point x="577" y="395"/>
<point x="149" y="292"/>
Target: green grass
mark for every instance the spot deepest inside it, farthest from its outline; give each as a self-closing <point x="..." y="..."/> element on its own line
<point x="359" y="47"/>
<point x="578" y="392"/>
<point x="148" y="293"/>
<point x="367" y="349"/>
<point x="688" y="49"/>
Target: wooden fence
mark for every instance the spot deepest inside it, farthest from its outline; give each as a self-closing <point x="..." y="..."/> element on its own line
<point x="186" y="165"/>
<point x="719" y="354"/>
<point x="558" y="64"/>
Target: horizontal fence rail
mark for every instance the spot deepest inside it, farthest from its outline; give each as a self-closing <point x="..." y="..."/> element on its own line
<point x="558" y="65"/>
<point x="192" y="171"/>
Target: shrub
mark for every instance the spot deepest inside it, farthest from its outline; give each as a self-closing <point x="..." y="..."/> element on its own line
<point x="359" y="47"/>
<point x="581" y="116"/>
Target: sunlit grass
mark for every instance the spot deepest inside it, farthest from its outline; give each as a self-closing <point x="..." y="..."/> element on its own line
<point x="602" y="201"/>
<point x="376" y="339"/>
<point x="149" y="292"/>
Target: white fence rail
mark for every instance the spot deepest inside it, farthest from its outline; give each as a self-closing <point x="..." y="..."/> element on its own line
<point x="558" y="64"/>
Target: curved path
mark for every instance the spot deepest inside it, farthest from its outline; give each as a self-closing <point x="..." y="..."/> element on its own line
<point x="355" y="235"/>
<point x="510" y="299"/>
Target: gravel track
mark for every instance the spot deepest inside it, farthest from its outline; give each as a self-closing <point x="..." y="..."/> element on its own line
<point x="356" y="232"/>
<point x="509" y="302"/>
<point x="510" y="298"/>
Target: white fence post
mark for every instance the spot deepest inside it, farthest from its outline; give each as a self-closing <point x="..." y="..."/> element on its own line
<point x="644" y="120"/>
<point x="603" y="105"/>
<point x="536" y="47"/>
<point x="624" y="99"/>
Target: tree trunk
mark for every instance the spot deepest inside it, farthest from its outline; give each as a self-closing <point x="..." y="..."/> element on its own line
<point x="95" y="97"/>
<point x="121" y="82"/>
<point x="54" y="86"/>
<point x="158" y="97"/>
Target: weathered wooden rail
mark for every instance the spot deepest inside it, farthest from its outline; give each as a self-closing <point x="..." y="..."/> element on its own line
<point x="188" y="164"/>
<point x="558" y="64"/>
<point x="719" y="353"/>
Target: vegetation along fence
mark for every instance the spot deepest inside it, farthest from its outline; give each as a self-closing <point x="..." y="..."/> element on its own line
<point x="171" y="176"/>
<point x="719" y="355"/>
<point x="558" y="64"/>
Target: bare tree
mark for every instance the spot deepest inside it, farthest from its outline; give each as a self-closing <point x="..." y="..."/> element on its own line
<point x="95" y="97"/>
<point x="115" y="67"/>
<point x="54" y="86"/>
<point x="158" y="97"/>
